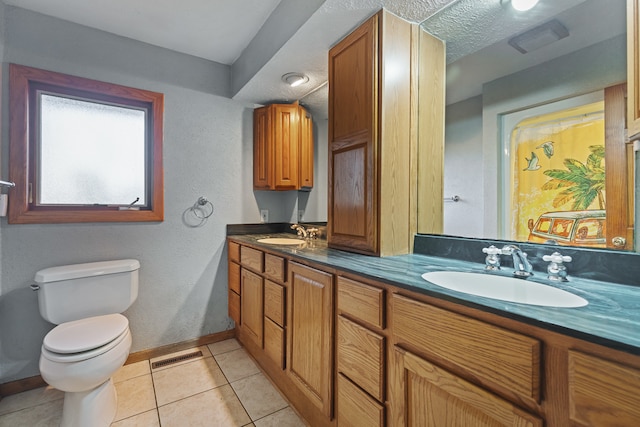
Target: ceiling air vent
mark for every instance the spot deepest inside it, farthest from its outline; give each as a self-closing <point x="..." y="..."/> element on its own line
<point x="539" y="36"/>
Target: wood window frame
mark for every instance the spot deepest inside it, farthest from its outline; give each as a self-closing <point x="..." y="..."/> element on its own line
<point x="22" y="134"/>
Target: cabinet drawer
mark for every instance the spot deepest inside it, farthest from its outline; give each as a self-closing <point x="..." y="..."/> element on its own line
<point x="361" y="301"/>
<point x="234" y="277"/>
<point x="274" y="302"/>
<point x="355" y="408"/>
<point x="252" y="259"/>
<point x="234" y="251"/>
<point x="492" y="354"/>
<point x="274" y="342"/>
<point x="602" y="393"/>
<point x="274" y="267"/>
<point x="361" y="356"/>
<point x="234" y="307"/>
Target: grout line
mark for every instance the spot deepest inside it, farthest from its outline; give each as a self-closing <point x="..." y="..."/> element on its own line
<point x="30" y="407"/>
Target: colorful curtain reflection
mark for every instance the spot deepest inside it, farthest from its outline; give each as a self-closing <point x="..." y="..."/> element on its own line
<point x="558" y="177"/>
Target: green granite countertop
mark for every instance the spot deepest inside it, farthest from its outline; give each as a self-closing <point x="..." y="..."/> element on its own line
<point x="612" y="317"/>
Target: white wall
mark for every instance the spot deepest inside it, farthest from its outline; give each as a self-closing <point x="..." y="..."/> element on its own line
<point x="207" y="152"/>
<point x="463" y="162"/>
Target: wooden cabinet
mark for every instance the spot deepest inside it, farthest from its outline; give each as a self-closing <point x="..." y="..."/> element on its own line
<point x="310" y="334"/>
<point x="372" y="142"/>
<point x="282" y="148"/>
<point x="274" y="321"/>
<point x="234" y="290"/>
<point x="432" y="396"/>
<point x="433" y="390"/>
<point x="633" y="68"/>
<point x="360" y="354"/>
<point x="306" y="150"/>
<point x="261" y="300"/>
<point x="252" y="305"/>
<point x="602" y="393"/>
<point x="355" y="408"/>
<point x="469" y="345"/>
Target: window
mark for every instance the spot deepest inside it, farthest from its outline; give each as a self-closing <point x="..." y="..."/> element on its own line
<point x="83" y="150"/>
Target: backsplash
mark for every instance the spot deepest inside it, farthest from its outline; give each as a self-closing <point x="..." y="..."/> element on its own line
<point x="596" y="264"/>
<point x="273" y="227"/>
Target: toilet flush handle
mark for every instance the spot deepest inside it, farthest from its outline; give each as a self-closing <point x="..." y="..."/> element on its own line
<point x="34" y="287"/>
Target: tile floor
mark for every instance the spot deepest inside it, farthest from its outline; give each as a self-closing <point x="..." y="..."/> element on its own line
<point x="222" y="388"/>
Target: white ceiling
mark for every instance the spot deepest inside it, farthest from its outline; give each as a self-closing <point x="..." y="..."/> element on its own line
<point x="217" y="30"/>
<point x="220" y="30"/>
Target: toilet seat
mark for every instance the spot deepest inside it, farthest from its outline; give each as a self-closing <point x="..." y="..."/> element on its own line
<point x="85" y="338"/>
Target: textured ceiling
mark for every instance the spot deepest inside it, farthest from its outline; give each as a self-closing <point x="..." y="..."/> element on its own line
<point x="220" y="30"/>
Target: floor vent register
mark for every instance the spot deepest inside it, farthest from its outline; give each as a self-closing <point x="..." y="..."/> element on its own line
<point x="176" y="359"/>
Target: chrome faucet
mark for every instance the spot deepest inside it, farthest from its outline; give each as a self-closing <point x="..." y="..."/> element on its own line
<point x="306" y="233"/>
<point x="300" y="229"/>
<point x="521" y="264"/>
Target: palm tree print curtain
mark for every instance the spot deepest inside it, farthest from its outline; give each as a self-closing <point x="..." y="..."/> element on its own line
<point x="557" y="166"/>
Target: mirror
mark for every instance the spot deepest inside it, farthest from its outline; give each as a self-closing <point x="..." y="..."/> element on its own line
<point x="574" y="50"/>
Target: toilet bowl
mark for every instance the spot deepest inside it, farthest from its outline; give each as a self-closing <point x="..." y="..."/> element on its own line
<point x="92" y="340"/>
<point x="79" y="358"/>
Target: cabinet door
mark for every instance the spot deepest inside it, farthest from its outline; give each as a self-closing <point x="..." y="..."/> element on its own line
<point x="353" y="73"/>
<point x="427" y="396"/>
<point x="252" y="306"/>
<point x="602" y="393"/>
<point x="306" y="149"/>
<point x="310" y="334"/>
<point x="285" y="148"/>
<point x="633" y="68"/>
<point x="262" y="155"/>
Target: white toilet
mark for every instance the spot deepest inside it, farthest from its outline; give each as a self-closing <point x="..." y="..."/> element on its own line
<point x="92" y="340"/>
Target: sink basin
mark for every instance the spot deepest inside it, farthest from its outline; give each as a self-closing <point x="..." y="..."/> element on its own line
<point x="505" y="288"/>
<point x="280" y="241"/>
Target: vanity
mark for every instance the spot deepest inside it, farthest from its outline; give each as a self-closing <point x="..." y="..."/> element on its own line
<point x="358" y="340"/>
<point x="355" y="340"/>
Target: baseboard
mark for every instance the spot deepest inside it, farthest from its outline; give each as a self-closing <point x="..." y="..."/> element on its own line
<point x="183" y="345"/>
<point x="30" y="383"/>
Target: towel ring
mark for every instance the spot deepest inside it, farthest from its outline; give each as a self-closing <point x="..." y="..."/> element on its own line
<point x="202" y="208"/>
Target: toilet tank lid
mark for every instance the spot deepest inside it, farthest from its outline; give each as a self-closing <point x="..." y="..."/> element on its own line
<point x="90" y="269"/>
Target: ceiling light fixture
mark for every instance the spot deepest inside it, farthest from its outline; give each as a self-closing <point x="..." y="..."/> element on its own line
<point x="295" y="79"/>
<point x="521" y="5"/>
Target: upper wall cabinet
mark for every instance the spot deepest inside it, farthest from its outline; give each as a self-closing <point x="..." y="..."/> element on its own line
<point x="282" y="148"/>
<point x="633" y="68"/>
<point x="373" y="143"/>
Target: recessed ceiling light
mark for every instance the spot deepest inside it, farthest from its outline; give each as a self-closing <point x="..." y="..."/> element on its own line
<point x="523" y="5"/>
<point x="295" y="79"/>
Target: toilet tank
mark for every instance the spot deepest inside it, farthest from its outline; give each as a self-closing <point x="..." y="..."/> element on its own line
<point x="72" y="292"/>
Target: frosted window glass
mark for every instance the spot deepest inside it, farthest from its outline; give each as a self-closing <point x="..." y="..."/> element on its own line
<point x="90" y="153"/>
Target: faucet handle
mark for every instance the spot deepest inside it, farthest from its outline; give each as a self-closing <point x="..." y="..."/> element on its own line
<point x="557" y="271"/>
<point x="492" y="250"/>
<point x="557" y="257"/>
<point x="492" y="261"/>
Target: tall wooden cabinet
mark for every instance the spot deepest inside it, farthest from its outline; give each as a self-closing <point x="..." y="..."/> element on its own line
<point x="372" y="137"/>
<point x="282" y="148"/>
